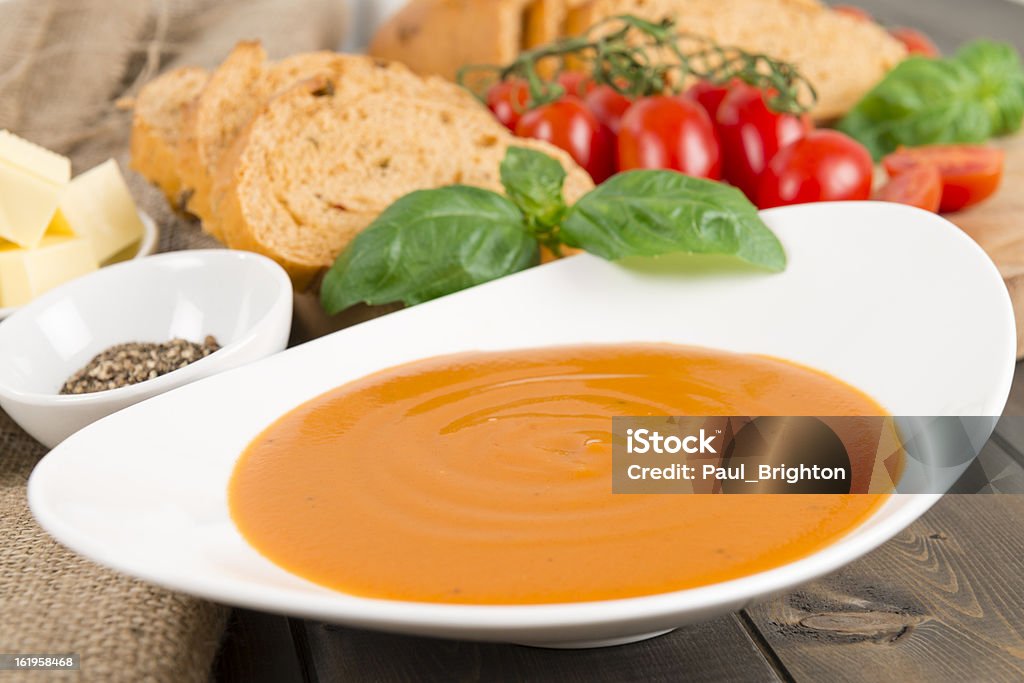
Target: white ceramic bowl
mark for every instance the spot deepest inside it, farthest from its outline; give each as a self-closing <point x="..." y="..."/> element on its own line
<point x="243" y="299"/>
<point x="868" y="297"/>
<point x="146" y="247"/>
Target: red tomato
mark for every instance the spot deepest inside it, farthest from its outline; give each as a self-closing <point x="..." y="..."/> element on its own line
<point x="969" y="173"/>
<point x="916" y="42"/>
<point x="576" y="83"/>
<point x="854" y="12"/>
<point x="569" y="125"/>
<point x="824" y="165"/>
<point x="750" y="134"/>
<point x="710" y="96"/>
<point x="672" y="133"/>
<point x="507" y="101"/>
<point x="608" y="106"/>
<point x="919" y="186"/>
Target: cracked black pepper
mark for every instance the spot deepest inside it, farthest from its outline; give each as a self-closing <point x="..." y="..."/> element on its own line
<point x="125" y="364"/>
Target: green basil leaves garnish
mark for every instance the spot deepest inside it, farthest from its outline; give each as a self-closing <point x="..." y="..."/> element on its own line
<point x="428" y="244"/>
<point x="653" y="213"/>
<point x="434" y="242"/>
<point x="973" y="96"/>
<point x="533" y="181"/>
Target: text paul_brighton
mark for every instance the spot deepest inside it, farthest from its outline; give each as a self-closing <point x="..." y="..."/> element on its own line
<point x="643" y="441"/>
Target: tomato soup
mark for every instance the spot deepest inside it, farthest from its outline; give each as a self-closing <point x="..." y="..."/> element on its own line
<point x="485" y="478"/>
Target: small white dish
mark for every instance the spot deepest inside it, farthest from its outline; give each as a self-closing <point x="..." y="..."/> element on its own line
<point x="145" y="247"/>
<point x="243" y="299"/>
<point x="867" y="297"/>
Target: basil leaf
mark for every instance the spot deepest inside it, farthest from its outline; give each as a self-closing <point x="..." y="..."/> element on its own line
<point x="998" y="68"/>
<point x="533" y="181"/>
<point x="428" y="244"/>
<point x="974" y="96"/>
<point x="651" y="213"/>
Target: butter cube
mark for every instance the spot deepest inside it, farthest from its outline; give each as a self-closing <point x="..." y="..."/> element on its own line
<point x="31" y="180"/>
<point x="27" y="273"/>
<point x="98" y="206"/>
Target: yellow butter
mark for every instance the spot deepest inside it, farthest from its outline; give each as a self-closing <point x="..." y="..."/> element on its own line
<point x="27" y="273"/>
<point x="31" y="180"/>
<point x="98" y="206"/>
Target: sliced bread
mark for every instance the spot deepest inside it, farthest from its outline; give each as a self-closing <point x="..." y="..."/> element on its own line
<point x="315" y="167"/>
<point x="240" y="87"/>
<point x="157" y="122"/>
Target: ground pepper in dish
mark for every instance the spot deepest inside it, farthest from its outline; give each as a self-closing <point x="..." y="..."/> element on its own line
<point x="125" y="364"/>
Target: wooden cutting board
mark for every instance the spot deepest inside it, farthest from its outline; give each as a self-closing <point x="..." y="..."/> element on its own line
<point x="998" y="226"/>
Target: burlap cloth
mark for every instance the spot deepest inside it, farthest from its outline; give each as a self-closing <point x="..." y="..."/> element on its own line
<point x="63" y="66"/>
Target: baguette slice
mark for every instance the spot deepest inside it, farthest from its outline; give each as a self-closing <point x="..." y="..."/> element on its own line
<point x="157" y="122"/>
<point x="230" y="98"/>
<point x="315" y="168"/>
<point x="246" y="81"/>
<point x="842" y="57"/>
<point x="440" y="36"/>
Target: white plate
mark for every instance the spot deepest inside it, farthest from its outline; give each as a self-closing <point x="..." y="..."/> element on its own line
<point x="896" y="301"/>
<point x="147" y="246"/>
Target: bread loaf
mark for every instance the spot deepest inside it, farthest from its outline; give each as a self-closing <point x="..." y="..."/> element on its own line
<point x="439" y="36"/>
<point x="841" y="56"/>
<point x="318" y="164"/>
<point x="156" y="125"/>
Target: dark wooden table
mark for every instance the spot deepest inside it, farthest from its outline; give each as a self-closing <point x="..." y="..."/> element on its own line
<point x="944" y="601"/>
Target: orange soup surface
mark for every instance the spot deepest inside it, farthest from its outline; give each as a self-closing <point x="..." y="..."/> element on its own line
<point x="485" y="478"/>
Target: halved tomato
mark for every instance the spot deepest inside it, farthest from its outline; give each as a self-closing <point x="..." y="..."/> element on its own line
<point x="970" y="173"/>
<point x="919" y="186"/>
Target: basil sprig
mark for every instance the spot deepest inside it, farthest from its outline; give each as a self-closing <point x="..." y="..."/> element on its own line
<point x="434" y="242"/>
<point x="971" y="97"/>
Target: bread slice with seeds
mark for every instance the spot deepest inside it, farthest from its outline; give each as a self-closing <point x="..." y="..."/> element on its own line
<point x="315" y="167"/>
<point x="157" y="121"/>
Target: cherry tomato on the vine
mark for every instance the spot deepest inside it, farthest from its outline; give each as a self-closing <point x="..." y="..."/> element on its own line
<point x="751" y="133"/>
<point x="576" y="83"/>
<point x="671" y="133"/>
<point x="970" y="173"/>
<point x="916" y="42"/>
<point x="507" y="101"/>
<point x="710" y="96"/>
<point x="608" y="105"/>
<point x="569" y="125"/>
<point x="824" y="165"/>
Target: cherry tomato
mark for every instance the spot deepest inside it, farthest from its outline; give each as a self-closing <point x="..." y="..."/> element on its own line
<point x="576" y="83"/>
<point x="919" y="186"/>
<point x="507" y="101"/>
<point x="672" y="133"/>
<point x="969" y="173"/>
<point x="916" y="42"/>
<point x="750" y="134"/>
<point x="608" y="105"/>
<point x="710" y="96"/>
<point x="569" y="125"/>
<point x="824" y="165"/>
<point x="854" y="12"/>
